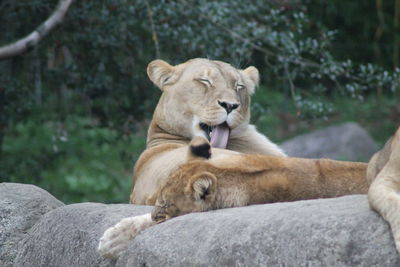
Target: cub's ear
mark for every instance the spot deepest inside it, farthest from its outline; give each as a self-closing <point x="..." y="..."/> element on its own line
<point x="202" y="185"/>
<point x="254" y="76"/>
<point x="160" y="72"/>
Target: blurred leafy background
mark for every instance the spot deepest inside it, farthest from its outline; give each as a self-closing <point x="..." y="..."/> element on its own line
<point x="74" y="110"/>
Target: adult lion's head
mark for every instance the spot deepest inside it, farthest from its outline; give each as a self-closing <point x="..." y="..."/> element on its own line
<point x="202" y="97"/>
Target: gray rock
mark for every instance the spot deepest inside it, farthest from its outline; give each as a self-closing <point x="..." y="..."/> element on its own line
<point x="69" y="236"/>
<point x="325" y="232"/>
<point x="21" y="206"/>
<point x="348" y="141"/>
<point x="331" y="232"/>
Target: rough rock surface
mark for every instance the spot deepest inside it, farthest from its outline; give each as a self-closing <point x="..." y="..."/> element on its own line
<point x="348" y="141"/>
<point x="69" y="236"/>
<point x="330" y="232"/>
<point x="325" y="232"/>
<point x="21" y="206"/>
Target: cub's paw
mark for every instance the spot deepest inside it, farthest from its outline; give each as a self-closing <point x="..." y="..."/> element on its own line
<point x="116" y="239"/>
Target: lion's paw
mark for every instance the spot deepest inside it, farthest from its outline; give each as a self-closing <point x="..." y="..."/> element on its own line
<point x="116" y="238"/>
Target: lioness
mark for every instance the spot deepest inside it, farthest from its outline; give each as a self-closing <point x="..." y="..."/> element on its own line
<point x="204" y="99"/>
<point x="200" y="97"/>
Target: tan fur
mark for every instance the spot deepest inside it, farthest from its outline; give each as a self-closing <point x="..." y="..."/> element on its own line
<point x="115" y="239"/>
<point x="243" y="179"/>
<point x="190" y="95"/>
<point x="383" y="194"/>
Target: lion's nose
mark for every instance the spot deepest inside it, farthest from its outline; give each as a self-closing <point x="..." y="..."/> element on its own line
<point x="228" y="106"/>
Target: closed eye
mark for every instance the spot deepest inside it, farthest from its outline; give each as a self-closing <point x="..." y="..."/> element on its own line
<point x="239" y="86"/>
<point x="205" y="81"/>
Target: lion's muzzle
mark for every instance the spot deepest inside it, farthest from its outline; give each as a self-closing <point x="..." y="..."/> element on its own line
<point x="158" y="214"/>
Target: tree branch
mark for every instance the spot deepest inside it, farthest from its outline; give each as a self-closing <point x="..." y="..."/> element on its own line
<point x="28" y="42"/>
<point x="153" y="29"/>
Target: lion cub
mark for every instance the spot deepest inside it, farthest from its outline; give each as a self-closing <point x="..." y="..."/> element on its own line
<point x="243" y="179"/>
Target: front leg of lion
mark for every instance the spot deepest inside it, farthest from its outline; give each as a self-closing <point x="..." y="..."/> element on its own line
<point x="116" y="238"/>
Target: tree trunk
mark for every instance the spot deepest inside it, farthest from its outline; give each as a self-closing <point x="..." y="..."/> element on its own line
<point x="31" y="40"/>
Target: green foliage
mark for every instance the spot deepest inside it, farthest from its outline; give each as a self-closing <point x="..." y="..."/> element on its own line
<point x="293" y="52"/>
<point x="75" y="159"/>
<point x="72" y="110"/>
<point x="368" y="31"/>
<point x="100" y="53"/>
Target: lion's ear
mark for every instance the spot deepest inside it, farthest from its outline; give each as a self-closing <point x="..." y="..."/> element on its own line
<point x="160" y="72"/>
<point x="254" y="76"/>
<point x="202" y="185"/>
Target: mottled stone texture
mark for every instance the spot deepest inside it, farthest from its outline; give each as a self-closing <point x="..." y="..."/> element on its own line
<point x="69" y="236"/>
<point x="325" y="232"/>
<point x="21" y="206"/>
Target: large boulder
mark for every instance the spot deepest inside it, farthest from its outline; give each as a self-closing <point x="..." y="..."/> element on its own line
<point x="21" y="206"/>
<point x="348" y="141"/>
<point x="330" y="232"/>
<point x="324" y="232"/>
<point x="69" y="236"/>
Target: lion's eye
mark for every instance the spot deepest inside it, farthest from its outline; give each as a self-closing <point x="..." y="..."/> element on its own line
<point x="205" y="81"/>
<point x="239" y="86"/>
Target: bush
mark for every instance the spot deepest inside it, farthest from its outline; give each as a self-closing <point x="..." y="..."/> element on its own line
<point x="99" y="55"/>
<point x="75" y="160"/>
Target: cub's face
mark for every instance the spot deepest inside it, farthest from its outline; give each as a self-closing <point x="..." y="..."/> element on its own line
<point x="201" y="94"/>
<point x="184" y="193"/>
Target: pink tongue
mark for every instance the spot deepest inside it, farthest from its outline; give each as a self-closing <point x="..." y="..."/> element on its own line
<point x="219" y="136"/>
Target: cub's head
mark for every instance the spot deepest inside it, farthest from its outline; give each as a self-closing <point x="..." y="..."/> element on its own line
<point x="203" y="97"/>
<point x="185" y="193"/>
